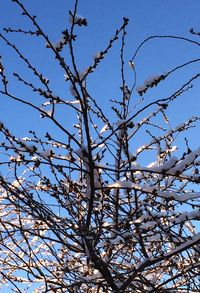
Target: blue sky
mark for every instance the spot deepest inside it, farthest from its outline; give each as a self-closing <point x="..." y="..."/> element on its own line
<point x="104" y="17"/>
<point x="147" y="18"/>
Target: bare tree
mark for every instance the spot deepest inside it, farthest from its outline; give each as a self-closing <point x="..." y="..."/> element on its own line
<point x="80" y="212"/>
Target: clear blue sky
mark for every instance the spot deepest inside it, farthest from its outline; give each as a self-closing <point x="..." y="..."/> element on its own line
<point x="104" y="17"/>
<point x="147" y="18"/>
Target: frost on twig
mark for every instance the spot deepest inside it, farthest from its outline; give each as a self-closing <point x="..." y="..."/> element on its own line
<point x="149" y="83"/>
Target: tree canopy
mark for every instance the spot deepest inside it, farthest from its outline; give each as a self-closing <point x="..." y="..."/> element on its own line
<point x="81" y="209"/>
